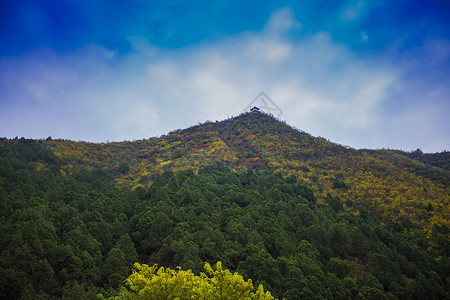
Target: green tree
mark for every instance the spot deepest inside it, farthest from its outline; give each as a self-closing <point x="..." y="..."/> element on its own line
<point x="123" y="168"/>
<point x="339" y="267"/>
<point x="126" y="245"/>
<point x="115" y="267"/>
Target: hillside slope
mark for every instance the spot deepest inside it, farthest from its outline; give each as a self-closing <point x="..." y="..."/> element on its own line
<point x="402" y="192"/>
<point x="75" y="236"/>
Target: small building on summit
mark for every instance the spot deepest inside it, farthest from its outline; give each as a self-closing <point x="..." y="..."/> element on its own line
<point x="254" y="108"/>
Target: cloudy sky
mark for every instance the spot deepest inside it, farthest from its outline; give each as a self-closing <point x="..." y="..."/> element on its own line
<point x="368" y="74"/>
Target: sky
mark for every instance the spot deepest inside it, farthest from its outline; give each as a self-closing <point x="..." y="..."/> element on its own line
<point x="366" y="74"/>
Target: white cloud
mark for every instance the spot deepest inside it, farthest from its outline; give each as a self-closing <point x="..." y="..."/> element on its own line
<point x="364" y="37"/>
<point x="97" y="94"/>
<point x="352" y="12"/>
<point x="281" y="21"/>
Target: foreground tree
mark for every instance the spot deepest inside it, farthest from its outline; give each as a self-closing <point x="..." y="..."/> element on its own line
<point x="159" y="283"/>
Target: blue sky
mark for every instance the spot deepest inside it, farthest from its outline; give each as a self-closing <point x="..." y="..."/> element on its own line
<point x="368" y="74"/>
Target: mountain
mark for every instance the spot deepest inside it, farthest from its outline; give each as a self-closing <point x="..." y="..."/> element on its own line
<point x="299" y="215"/>
<point x="393" y="186"/>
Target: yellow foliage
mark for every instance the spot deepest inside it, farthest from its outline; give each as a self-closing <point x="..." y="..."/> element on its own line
<point x="148" y="283"/>
<point x="40" y="165"/>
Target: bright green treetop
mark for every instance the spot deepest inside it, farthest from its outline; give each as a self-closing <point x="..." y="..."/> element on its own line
<point x="160" y="283"/>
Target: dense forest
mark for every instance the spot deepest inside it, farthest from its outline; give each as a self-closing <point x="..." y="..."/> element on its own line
<point x="280" y="210"/>
<point x="395" y="187"/>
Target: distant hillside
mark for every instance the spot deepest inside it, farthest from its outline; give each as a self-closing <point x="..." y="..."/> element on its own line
<point x="440" y="160"/>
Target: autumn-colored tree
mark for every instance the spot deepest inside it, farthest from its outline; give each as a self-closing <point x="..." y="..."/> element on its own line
<point x="147" y="283"/>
